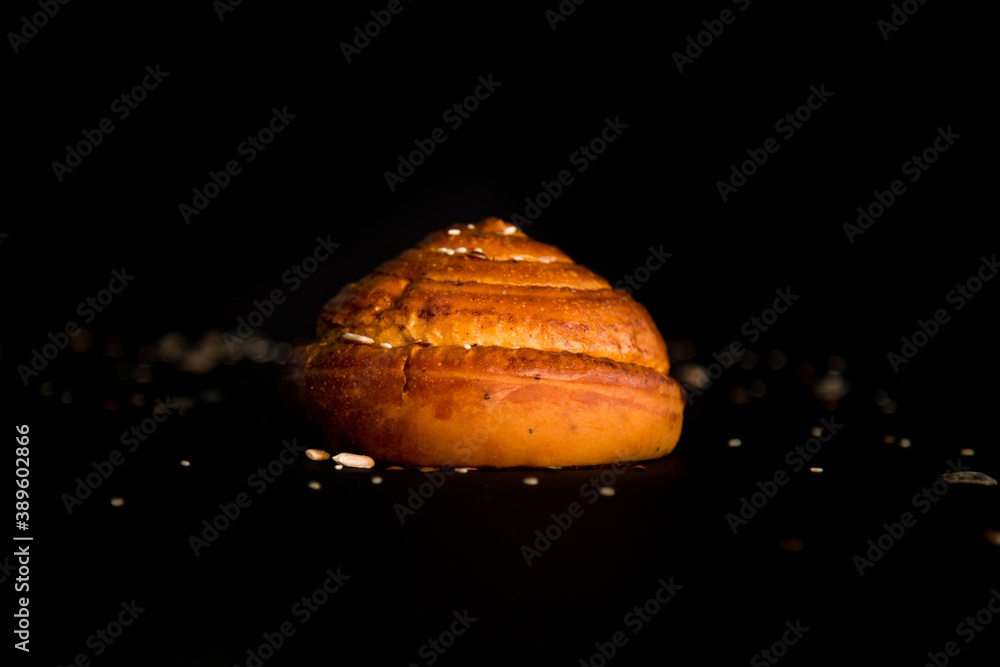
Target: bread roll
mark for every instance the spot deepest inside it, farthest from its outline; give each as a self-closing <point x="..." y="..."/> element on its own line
<point x="484" y="348"/>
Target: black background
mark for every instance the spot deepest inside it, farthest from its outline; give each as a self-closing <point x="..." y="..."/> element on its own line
<point x="654" y="186"/>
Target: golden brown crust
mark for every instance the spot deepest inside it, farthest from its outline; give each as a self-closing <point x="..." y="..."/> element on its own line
<point x="483" y="347"/>
<point x="487" y="406"/>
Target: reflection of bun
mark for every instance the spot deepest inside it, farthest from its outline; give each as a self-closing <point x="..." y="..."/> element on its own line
<point x="482" y="347"/>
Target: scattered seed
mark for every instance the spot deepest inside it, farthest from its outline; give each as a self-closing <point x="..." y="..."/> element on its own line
<point x="530" y="481"/>
<point x="354" y="460"/>
<point x="454" y="232"/>
<point x="793" y="544"/>
<point x="395" y="468"/>
<point x="470" y="226"/>
<point x="117" y="502"/>
<point x="555" y="467"/>
<point x="427" y="469"/>
<point x="467" y="346"/>
<point x="462" y="470"/>
<point x="815" y="470"/>
<point x="376" y="480"/>
<point x="640" y="468"/>
<point x="968" y="452"/>
<point x="385" y="345"/>
<point x="517" y="258"/>
<point x="186" y="463"/>
<point x="735" y="442"/>
<point x="355" y="338"/>
<point x="317" y="454"/>
<point x="968" y="477"/>
<point x="607" y="491"/>
<point x="888" y="439"/>
<point x="477" y="255"/>
<point x="315" y="486"/>
<point x="992" y="535"/>
<point x="461" y="249"/>
<point x="905" y="443"/>
<point x="816" y="430"/>
<point x="338" y="467"/>
<point x="477" y="250"/>
<point x="509" y="230"/>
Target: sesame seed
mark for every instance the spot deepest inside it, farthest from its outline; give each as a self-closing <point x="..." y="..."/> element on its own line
<point x="395" y="468"/>
<point x="317" y="455"/>
<point x="735" y="442"/>
<point x="606" y="491"/>
<point x="470" y="226"/>
<point x="454" y="232"/>
<point x="816" y="430"/>
<point x="888" y="439"/>
<point x="356" y="338"/>
<point x="376" y="480"/>
<point x="815" y="470"/>
<point x="992" y="535"/>
<point x="905" y="443"/>
<point x="117" y="502"/>
<point x="447" y="251"/>
<point x="460" y="249"/>
<point x="354" y="460"/>
<point x="315" y="486"/>
<point x="477" y="250"/>
<point x="509" y="230"/>
<point x="640" y="468"/>
<point x="186" y="463"/>
<point x="339" y="466"/>
<point x="517" y="258"/>
<point x="385" y="345"/>
<point x="462" y="470"/>
<point x="467" y="346"/>
<point x="530" y="481"/>
<point x="968" y="452"/>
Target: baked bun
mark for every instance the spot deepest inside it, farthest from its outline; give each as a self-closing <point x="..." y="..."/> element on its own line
<point x="484" y="348"/>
